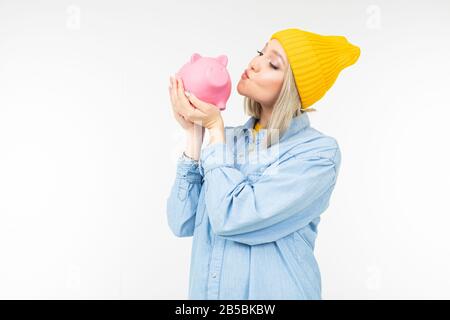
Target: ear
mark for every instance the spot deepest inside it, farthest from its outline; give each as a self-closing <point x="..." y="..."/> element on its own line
<point x="223" y="60"/>
<point x="195" y="57"/>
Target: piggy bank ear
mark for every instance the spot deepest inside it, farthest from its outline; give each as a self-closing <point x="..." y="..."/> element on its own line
<point x="195" y="57"/>
<point x="223" y="60"/>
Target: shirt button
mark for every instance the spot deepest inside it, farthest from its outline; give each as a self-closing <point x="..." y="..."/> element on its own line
<point x="213" y="274"/>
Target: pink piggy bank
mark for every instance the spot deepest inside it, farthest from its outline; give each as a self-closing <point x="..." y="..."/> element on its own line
<point x="207" y="78"/>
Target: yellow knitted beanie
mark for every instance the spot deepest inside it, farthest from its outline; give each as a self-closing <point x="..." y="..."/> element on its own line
<point x="315" y="60"/>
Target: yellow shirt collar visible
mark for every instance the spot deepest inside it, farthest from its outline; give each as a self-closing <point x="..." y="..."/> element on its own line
<point x="257" y="126"/>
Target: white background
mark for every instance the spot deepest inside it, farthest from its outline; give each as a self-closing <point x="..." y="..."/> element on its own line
<point x="88" y="142"/>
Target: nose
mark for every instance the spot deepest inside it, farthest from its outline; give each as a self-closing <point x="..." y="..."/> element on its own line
<point x="255" y="65"/>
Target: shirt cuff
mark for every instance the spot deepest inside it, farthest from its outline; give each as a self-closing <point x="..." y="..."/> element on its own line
<point x="189" y="170"/>
<point x="214" y="156"/>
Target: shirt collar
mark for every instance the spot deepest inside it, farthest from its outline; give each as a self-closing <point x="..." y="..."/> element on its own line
<point x="297" y="123"/>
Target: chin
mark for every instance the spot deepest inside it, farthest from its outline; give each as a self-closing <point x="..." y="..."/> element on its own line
<point x="240" y="88"/>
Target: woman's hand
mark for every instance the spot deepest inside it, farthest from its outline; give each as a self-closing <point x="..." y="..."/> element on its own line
<point x="195" y="132"/>
<point x="196" y="110"/>
<point x="199" y="112"/>
<point x="173" y="90"/>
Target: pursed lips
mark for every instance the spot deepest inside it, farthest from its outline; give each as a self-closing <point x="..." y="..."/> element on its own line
<point x="245" y="74"/>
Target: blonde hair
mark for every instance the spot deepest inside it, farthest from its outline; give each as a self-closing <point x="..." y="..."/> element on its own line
<point x="287" y="106"/>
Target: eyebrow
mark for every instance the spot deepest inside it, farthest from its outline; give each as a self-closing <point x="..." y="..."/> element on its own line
<point x="277" y="53"/>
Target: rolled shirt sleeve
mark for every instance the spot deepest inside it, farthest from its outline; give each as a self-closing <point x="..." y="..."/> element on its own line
<point x="183" y="199"/>
<point x="278" y="203"/>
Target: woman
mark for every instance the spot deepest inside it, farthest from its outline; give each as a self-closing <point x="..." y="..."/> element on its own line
<point x="251" y="198"/>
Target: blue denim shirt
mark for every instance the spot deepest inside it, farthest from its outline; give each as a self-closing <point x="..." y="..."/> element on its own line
<point x="254" y="212"/>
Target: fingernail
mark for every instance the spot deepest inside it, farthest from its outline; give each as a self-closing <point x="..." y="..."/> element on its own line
<point x="187" y="93"/>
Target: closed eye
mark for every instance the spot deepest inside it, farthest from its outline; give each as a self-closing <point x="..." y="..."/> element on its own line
<point x="272" y="65"/>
